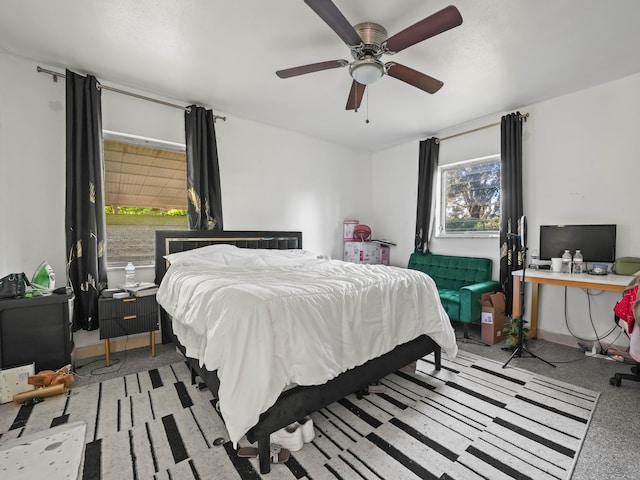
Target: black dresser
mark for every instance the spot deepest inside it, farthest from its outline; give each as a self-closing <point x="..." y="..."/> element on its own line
<point x="35" y="330"/>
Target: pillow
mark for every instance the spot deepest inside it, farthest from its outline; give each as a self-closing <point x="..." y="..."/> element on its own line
<point x="198" y="254"/>
<point x="224" y="255"/>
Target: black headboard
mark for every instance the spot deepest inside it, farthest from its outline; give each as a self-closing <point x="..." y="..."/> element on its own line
<point x="172" y="241"/>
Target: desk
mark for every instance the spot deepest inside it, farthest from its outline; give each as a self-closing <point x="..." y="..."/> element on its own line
<point x="611" y="282"/>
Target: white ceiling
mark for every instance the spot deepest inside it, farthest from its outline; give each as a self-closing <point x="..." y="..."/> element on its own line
<point x="223" y="54"/>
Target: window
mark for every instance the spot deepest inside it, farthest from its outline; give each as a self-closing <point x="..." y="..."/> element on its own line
<point x="469" y="198"/>
<point x="145" y="190"/>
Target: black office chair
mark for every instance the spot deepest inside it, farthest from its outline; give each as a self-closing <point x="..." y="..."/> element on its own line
<point x="634" y="375"/>
<point x="635" y="370"/>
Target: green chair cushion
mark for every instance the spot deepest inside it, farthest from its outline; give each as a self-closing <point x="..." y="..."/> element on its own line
<point x="450" y="300"/>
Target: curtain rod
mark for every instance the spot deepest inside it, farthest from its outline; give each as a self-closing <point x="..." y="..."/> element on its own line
<point x="522" y="117"/>
<point x="55" y="76"/>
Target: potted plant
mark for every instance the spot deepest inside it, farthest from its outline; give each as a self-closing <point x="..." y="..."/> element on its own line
<point x="511" y="330"/>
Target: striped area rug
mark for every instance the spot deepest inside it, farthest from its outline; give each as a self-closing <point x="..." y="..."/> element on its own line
<point x="471" y="420"/>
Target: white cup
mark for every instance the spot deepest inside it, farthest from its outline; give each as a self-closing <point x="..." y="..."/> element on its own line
<point x="556" y="265"/>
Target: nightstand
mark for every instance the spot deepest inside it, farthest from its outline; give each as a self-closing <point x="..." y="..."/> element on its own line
<point x="127" y="316"/>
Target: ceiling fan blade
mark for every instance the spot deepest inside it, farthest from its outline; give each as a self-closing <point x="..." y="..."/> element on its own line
<point x="414" y="78"/>
<point x="328" y="12"/>
<point x="313" y="67"/>
<point x="431" y="26"/>
<point x="355" y="96"/>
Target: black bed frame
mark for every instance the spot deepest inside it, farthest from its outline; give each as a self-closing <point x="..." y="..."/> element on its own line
<point x="295" y="403"/>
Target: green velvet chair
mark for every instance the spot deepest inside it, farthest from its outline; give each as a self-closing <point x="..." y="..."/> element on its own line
<point x="461" y="281"/>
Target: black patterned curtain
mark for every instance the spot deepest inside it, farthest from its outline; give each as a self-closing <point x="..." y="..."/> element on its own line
<point x="84" y="210"/>
<point x="427" y="168"/>
<point x="512" y="207"/>
<point x="204" y="199"/>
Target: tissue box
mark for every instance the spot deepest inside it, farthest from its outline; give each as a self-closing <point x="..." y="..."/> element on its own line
<point x="492" y="317"/>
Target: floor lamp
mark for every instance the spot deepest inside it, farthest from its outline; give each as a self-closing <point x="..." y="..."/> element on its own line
<point x="520" y="347"/>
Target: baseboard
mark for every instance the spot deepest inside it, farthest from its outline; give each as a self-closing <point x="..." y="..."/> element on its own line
<point x="571" y="341"/>
<point x="117" y="345"/>
<point x="560" y="338"/>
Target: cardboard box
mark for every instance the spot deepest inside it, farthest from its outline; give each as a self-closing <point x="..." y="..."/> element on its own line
<point x="366" y="252"/>
<point x="385" y="256"/>
<point x="493" y="317"/>
<point x="15" y="380"/>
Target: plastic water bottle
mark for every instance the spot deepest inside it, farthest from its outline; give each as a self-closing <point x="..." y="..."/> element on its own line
<point x="535" y="258"/>
<point x="130" y="275"/>
<point x="578" y="262"/>
<point x="566" y="262"/>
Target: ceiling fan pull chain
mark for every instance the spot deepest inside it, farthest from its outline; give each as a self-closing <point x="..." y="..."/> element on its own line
<point x="367" y="120"/>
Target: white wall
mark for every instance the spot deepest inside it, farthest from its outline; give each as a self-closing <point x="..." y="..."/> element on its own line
<point x="579" y="166"/>
<point x="271" y="178"/>
<point x="32" y="174"/>
<point x="395" y="190"/>
<point x="274" y="179"/>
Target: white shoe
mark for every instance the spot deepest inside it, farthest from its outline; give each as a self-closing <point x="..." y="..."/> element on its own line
<point x="306" y="426"/>
<point x="289" y="437"/>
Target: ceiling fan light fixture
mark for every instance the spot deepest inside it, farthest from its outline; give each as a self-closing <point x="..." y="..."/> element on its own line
<point x="367" y="70"/>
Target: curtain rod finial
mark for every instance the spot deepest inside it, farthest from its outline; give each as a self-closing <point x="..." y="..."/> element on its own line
<point x="39" y="69"/>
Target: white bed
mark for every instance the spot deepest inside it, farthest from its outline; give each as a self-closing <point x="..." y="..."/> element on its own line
<point x="269" y="319"/>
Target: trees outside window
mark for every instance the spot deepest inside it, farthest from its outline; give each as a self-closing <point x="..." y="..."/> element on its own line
<point x="469" y="198"/>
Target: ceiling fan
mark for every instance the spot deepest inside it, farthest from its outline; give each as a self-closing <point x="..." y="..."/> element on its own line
<point x="368" y="42"/>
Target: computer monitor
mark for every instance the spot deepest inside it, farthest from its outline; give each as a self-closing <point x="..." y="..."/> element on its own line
<point x="596" y="242"/>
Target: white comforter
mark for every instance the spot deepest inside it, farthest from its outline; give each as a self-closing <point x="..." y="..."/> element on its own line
<point x="267" y="319"/>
